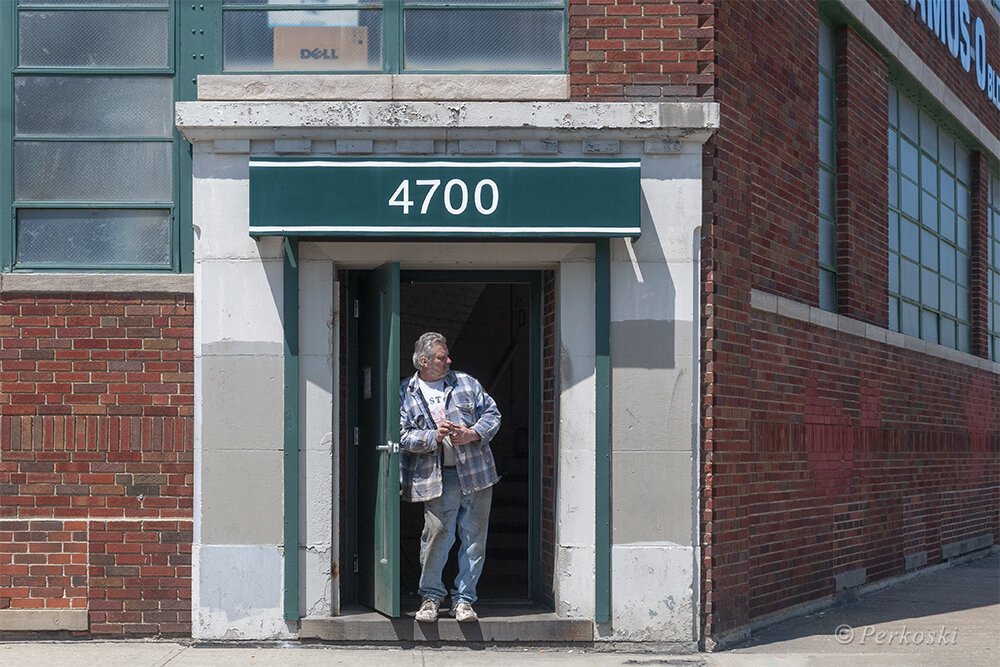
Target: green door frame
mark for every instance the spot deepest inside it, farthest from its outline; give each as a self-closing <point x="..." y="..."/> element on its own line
<point x="349" y="585"/>
<point x="602" y="431"/>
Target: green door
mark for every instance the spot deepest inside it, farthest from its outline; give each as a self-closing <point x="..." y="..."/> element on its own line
<point x="377" y="390"/>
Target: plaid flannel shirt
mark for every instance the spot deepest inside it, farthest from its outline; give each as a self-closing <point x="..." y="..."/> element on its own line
<point x="421" y="456"/>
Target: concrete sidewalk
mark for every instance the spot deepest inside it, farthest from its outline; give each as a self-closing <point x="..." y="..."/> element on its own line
<point x="947" y="617"/>
<point x="951" y="616"/>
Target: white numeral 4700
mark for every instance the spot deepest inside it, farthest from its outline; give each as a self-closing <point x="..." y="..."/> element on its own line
<point x="456" y="196"/>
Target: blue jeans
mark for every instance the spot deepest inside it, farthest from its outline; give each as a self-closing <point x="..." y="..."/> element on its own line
<point x="450" y="514"/>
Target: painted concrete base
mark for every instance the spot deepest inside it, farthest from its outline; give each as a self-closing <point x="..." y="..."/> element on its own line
<point x="574" y="581"/>
<point x="23" y="620"/>
<point x="316" y="583"/>
<point x="652" y="593"/>
<point x="238" y="593"/>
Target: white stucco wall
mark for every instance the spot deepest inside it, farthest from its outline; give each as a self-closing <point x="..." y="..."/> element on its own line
<point x="237" y="553"/>
<point x="239" y="374"/>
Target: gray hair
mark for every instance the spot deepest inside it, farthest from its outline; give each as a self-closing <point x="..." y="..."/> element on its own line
<point x="424" y="347"/>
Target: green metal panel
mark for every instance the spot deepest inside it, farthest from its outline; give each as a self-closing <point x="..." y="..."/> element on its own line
<point x="378" y="443"/>
<point x="392" y="37"/>
<point x="602" y="418"/>
<point x="8" y="47"/>
<point x="290" y="288"/>
<point x="198" y="51"/>
<point x="409" y="198"/>
<point x="387" y="511"/>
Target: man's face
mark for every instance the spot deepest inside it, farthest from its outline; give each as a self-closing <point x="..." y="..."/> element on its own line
<point x="437" y="365"/>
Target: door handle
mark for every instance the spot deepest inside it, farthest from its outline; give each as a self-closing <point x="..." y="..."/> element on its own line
<point x="389" y="446"/>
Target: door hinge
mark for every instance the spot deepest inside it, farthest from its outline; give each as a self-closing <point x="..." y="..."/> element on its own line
<point x="357" y="436"/>
<point x="355" y="309"/>
<point x="356" y="566"/>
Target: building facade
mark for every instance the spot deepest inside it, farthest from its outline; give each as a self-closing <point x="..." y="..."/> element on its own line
<point x="730" y="269"/>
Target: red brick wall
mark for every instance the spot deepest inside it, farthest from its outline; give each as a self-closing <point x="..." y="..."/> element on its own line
<point x="979" y="274"/>
<point x="909" y="26"/>
<point x="140" y="577"/>
<point x="822" y="452"/>
<point x="549" y="453"/>
<point x="641" y="49"/>
<point x="862" y="180"/>
<point x="760" y="231"/>
<point x="96" y="405"/>
<point x="855" y="466"/>
<point x="43" y="564"/>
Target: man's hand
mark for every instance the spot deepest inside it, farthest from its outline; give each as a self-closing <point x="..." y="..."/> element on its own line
<point x="443" y="431"/>
<point x="460" y="435"/>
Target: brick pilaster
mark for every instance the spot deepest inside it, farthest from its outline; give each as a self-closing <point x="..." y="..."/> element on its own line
<point x="979" y="271"/>
<point x="862" y="185"/>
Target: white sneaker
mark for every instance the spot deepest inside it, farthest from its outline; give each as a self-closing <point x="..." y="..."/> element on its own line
<point x="464" y="613"/>
<point x="428" y="612"/>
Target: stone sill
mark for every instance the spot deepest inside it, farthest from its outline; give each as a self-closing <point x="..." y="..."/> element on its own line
<point x="373" y="87"/>
<point x="33" y="620"/>
<point x="96" y="283"/>
<point x="772" y="303"/>
<point x="680" y="121"/>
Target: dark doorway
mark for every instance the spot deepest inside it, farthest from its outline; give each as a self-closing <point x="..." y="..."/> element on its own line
<point x="489" y="325"/>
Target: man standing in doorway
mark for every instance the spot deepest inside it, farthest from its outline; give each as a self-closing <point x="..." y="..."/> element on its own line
<point x="446" y="423"/>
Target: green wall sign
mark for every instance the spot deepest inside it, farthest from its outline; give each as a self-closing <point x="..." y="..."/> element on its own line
<point x="414" y="198"/>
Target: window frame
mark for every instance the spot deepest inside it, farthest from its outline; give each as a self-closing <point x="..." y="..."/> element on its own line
<point x="897" y="300"/>
<point x="178" y="210"/>
<point x="827" y="219"/>
<point x="392" y="33"/>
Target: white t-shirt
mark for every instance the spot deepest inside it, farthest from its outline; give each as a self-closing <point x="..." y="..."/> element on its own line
<point x="434" y="395"/>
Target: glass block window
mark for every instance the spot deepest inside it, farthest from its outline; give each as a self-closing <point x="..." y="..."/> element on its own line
<point x="94" y="146"/>
<point x="395" y="35"/>
<point x="994" y="286"/>
<point x="929" y="230"/>
<point x="827" y="169"/>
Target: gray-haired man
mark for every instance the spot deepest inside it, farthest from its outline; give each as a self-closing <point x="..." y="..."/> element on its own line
<point x="446" y="423"/>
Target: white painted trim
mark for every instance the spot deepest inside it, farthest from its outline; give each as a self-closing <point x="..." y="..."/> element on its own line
<point x="461" y="164"/>
<point x="529" y="231"/>
<point x="796" y="310"/>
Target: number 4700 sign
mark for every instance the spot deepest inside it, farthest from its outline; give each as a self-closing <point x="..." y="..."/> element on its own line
<point x="444" y="197"/>
<point x="485" y="195"/>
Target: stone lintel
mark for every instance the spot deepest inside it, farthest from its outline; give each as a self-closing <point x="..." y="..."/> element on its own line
<point x="299" y="87"/>
<point x="688" y="122"/>
<point x="97" y="283"/>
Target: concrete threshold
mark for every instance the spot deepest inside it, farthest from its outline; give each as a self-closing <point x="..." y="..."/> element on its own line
<point x="498" y="624"/>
